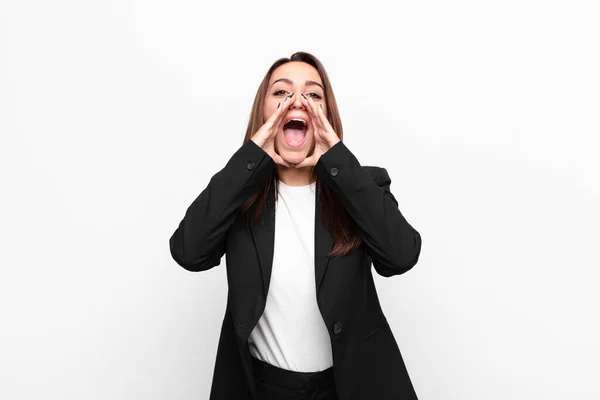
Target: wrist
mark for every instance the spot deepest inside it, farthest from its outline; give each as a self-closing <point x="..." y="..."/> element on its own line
<point x="333" y="142"/>
<point x="259" y="143"/>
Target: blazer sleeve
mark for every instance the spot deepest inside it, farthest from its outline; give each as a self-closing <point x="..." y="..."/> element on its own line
<point x="392" y="243"/>
<point x="198" y="243"/>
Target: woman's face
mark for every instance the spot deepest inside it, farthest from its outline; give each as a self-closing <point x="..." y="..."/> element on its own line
<point x="299" y="78"/>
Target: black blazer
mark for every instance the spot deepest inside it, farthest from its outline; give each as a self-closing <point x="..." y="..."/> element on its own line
<point x="366" y="360"/>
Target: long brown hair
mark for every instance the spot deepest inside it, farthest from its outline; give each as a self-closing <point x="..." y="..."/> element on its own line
<point x="334" y="215"/>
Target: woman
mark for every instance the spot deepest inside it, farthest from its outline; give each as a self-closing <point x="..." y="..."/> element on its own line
<point x="301" y="222"/>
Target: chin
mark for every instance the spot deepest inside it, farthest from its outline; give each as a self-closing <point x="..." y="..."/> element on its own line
<point x="290" y="156"/>
<point x="296" y="155"/>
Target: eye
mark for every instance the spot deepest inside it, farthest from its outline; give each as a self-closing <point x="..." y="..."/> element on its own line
<point x="316" y="96"/>
<point x="280" y="90"/>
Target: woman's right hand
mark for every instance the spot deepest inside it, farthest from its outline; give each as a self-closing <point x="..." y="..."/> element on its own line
<point x="265" y="136"/>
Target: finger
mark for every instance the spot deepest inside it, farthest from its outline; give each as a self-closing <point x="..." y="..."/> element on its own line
<point x="282" y="111"/>
<point x="305" y="163"/>
<point x="277" y="158"/>
<point x="323" y="117"/>
<point x="281" y="161"/>
<point x="273" y="121"/>
<point x="310" y="113"/>
<point x="313" y="108"/>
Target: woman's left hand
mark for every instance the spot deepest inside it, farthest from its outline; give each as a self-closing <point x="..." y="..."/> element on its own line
<point x="324" y="135"/>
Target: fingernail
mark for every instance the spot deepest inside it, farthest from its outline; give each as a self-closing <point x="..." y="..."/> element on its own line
<point x="303" y="95"/>
<point x="321" y="105"/>
<point x="291" y="95"/>
<point x="278" y="105"/>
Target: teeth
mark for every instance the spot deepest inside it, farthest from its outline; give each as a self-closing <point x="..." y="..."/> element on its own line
<point x="296" y="119"/>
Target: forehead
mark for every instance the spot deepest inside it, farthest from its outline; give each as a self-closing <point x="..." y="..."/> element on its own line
<point x="297" y="71"/>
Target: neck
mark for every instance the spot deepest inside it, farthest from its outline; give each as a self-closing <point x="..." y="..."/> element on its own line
<point x="294" y="176"/>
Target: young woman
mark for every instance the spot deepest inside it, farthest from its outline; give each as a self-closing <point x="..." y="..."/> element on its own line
<point x="301" y="222"/>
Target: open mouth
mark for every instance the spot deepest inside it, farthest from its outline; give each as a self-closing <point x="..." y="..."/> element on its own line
<point x="294" y="132"/>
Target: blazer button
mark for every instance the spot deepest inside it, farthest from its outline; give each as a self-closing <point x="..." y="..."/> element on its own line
<point x="250" y="165"/>
<point x="334" y="171"/>
<point x="337" y="328"/>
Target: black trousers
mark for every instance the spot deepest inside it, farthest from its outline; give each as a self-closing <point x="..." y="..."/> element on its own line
<point x="275" y="383"/>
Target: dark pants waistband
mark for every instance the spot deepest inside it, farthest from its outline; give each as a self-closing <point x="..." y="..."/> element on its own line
<point x="292" y="379"/>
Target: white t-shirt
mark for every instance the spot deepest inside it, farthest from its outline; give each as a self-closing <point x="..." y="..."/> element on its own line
<point x="291" y="333"/>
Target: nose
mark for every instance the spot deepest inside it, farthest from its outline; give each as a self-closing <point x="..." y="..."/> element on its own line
<point x="296" y="99"/>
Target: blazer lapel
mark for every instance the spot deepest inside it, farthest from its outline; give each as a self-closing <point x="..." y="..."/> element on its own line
<point x="323" y="244"/>
<point x="263" y="233"/>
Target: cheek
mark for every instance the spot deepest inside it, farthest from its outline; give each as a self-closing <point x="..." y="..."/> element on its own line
<point x="279" y="139"/>
<point x="268" y="110"/>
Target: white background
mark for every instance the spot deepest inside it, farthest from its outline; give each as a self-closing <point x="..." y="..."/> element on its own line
<point x="485" y="114"/>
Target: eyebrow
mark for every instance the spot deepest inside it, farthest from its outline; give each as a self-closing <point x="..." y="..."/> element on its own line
<point x="307" y="83"/>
